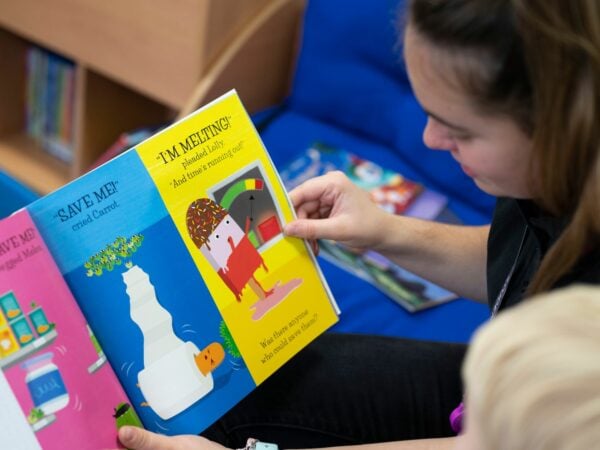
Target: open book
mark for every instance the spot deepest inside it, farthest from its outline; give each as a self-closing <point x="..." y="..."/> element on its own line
<point x="393" y="193"/>
<point x="157" y="288"/>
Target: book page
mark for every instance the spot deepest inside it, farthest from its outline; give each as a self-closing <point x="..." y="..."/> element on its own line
<point x="52" y="367"/>
<point x="16" y="432"/>
<point x="191" y="322"/>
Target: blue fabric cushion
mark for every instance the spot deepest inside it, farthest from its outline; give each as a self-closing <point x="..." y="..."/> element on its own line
<point x="13" y="195"/>
<point x="350" y="74"/>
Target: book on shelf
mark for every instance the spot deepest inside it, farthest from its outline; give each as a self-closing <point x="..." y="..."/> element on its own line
<point x="157" y="289"/>
<point x="394" y="193"/>
<point x="124" y="142"/>
<point x="50" y="95"/>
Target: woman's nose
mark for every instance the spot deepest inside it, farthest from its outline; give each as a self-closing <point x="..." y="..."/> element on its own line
<point x="435" y="136"/>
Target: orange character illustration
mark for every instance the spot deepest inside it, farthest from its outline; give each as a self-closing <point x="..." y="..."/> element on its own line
<point x="210" y="358"/>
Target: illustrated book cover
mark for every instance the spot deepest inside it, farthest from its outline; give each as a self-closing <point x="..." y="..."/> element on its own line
<point x="173" y="257"/>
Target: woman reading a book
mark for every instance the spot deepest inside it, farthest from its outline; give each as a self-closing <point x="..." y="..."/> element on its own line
<point x="512" y="91"/>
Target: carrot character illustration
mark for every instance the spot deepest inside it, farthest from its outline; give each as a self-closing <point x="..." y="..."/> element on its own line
<point x="226" y="246"/>
<point x="210" y="358"/>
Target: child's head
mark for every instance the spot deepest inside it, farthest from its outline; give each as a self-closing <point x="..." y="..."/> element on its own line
<point x="532" y="375"/>
<point x="525" y="82"/>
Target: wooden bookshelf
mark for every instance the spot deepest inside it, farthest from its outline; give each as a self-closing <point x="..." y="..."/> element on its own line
<point x="139" y="64"/>
<point x="27" y="162"/>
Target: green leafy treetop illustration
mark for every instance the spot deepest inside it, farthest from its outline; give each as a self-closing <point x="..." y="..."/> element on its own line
<point x="115" y="254"/>
<point x="228" y="341"/>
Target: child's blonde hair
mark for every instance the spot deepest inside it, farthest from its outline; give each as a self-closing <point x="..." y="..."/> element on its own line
<point x="533" y="374"/>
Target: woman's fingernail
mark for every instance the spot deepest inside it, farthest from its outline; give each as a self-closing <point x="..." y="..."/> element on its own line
<point x="126" y="433"/>
<point x="289" y="229"/>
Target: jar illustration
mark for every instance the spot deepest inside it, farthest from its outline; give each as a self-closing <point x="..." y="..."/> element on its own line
<point x="45" y="383"/>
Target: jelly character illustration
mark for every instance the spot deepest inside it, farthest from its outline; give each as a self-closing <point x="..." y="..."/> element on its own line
<point x="126" y="415"/>
<point x="39" y="420"/>
<point x="226" y="246"/>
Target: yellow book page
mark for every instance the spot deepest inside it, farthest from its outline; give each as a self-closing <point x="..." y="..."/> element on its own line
<point x="229" y="206"/>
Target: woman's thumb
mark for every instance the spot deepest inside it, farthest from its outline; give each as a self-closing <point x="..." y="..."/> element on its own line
<point x="135" y="438"/>
<point x="311" y="229"/>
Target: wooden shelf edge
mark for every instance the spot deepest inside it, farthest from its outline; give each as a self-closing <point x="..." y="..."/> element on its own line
<point x="254" y="63"/>
<point x="24" y="160"/>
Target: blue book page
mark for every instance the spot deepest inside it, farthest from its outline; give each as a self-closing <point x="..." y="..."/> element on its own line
<point x="138" y="287"/>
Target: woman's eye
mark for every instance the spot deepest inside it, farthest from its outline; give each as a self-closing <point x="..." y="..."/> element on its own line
<point x="461" y="137"/>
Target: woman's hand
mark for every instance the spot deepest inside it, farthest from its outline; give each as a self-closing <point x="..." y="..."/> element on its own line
<point x="139" y="439"/>
<point x="332" y="207"/>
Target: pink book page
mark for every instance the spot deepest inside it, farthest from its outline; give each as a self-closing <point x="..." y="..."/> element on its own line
<point x="64" y="392"/>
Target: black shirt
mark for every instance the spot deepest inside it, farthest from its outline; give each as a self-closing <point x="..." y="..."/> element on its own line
<point x="521" y="220"/>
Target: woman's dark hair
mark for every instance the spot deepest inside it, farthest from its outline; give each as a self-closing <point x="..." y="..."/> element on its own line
<point x="483" y="50"/>
<point x="537" y="62"/>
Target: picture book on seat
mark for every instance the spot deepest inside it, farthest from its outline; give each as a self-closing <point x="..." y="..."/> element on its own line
<point x="395" y="194"/>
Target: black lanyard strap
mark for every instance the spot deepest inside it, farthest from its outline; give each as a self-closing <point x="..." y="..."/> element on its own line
<point x="502" y="293"/>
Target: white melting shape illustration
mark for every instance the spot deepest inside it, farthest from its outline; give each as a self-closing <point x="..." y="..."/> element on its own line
<point x="170" y="380"/>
